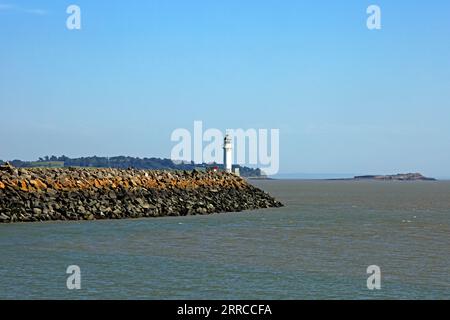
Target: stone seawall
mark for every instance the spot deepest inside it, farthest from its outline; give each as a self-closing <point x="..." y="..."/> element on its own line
<point x="28" y="195"/>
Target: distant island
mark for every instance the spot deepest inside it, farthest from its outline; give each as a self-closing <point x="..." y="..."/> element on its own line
<point x="123" y="162"/>
<point x="392" y="177"/>
<point x="395" y="177"/>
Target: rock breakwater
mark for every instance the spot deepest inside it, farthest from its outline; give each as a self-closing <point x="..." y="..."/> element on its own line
<point x="38" y="194"/>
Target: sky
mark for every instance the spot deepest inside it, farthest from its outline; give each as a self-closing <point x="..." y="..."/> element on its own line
<point x="346" y="99"/>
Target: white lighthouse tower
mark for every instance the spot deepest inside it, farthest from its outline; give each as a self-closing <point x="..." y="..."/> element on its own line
<point x="227" y="154"/>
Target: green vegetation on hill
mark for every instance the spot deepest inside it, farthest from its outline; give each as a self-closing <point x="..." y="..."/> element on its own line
<point x="47" y="164"/>
<point x="122" y="162"/>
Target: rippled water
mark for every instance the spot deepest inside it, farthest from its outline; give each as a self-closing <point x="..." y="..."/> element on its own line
<point x="318" y="246"/>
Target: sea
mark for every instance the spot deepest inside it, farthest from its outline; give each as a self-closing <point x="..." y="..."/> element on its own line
<point x="319" y="246"/>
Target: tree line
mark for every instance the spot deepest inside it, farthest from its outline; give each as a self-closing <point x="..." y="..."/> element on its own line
<point x="124" y="162"/>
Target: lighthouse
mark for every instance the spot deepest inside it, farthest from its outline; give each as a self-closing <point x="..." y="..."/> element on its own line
<point x="227" y="153"/>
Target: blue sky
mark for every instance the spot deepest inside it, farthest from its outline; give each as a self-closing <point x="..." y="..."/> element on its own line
<point x="346" y="99"/>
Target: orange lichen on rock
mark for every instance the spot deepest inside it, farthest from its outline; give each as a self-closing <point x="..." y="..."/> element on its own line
<point x="38" y="184"/>
<point x="90" y="179"/>
<point x="23" y="185"/>
<point x="97" y="183"/>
